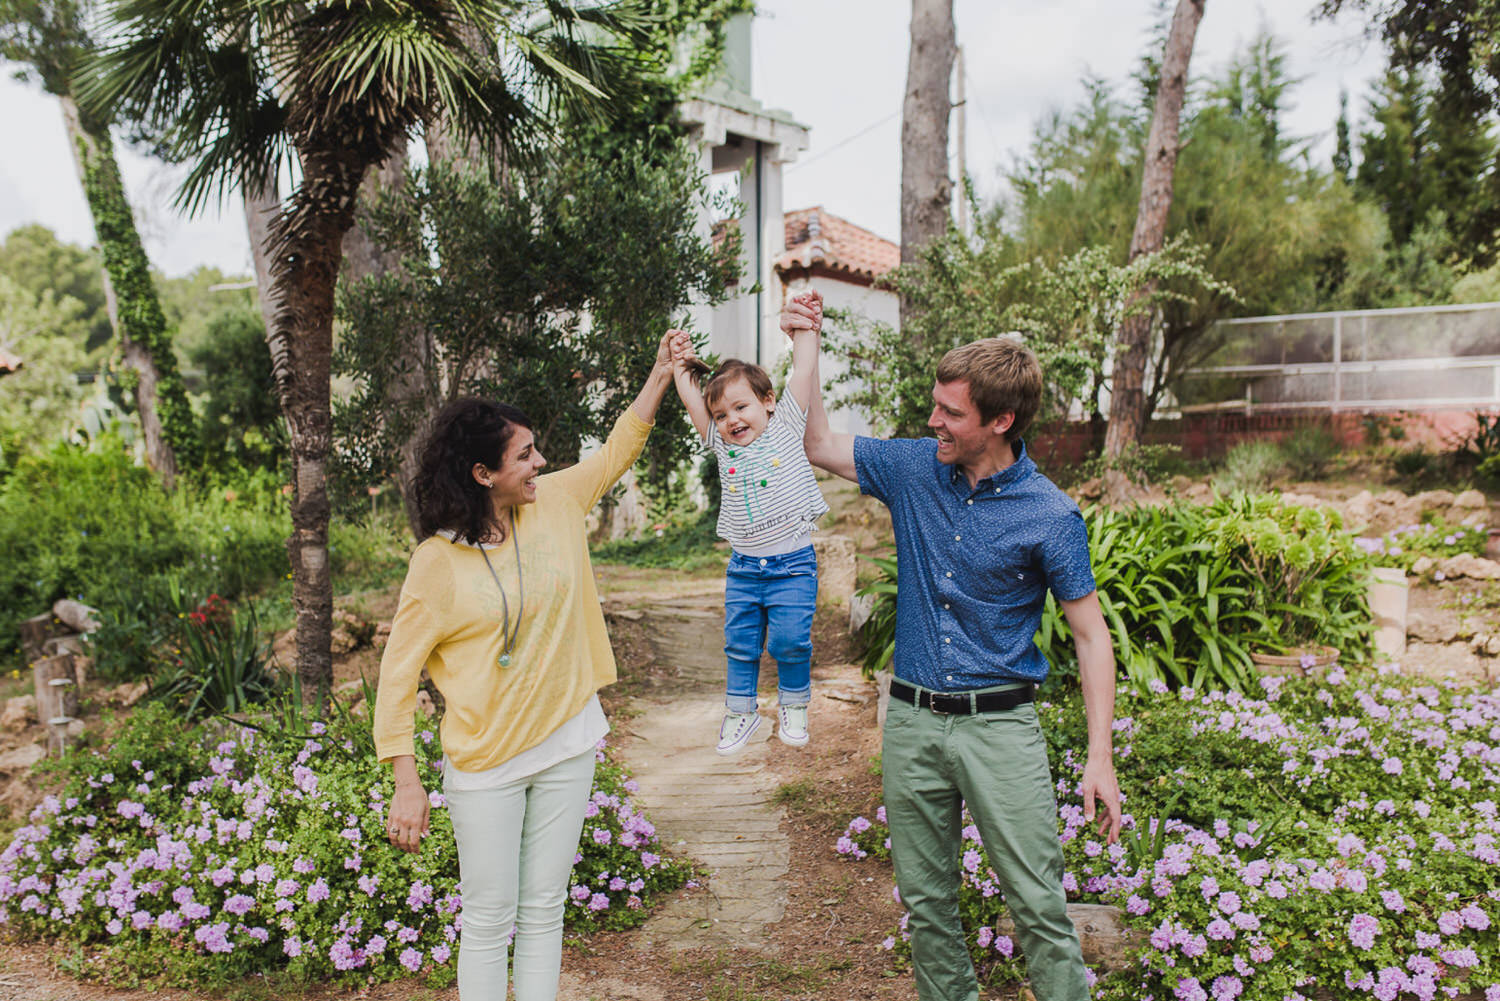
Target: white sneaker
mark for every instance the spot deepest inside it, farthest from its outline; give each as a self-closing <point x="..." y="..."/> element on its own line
<point x="793" y="728"/>
<point x="736" y="730"/>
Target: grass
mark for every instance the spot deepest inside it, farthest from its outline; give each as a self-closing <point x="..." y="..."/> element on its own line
<point x="760" y="979"/>
<point x="690" y="545"/>
<point x="795" y="795"/>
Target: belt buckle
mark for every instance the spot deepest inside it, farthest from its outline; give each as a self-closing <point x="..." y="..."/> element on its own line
<point x="959" y="701"/>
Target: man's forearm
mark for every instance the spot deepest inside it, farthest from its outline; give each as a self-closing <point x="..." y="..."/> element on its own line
<point x="1096" y="676"/>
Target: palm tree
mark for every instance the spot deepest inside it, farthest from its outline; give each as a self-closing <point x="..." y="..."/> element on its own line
<point x="49" y="39"/>
<point x="248" y="90"/>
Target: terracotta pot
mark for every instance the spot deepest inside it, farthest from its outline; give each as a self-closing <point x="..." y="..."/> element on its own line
<point x="1291" y="664"/>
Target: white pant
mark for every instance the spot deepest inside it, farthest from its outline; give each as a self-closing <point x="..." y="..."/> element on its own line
<point x="515" y="852"/>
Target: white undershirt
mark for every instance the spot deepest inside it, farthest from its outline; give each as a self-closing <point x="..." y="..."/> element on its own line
<point x="581" y="733"/>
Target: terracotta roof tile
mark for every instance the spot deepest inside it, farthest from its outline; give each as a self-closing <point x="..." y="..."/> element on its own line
<point x="823" y="243"/>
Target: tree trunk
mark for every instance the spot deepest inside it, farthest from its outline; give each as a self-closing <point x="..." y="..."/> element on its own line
<point x="1127" y="408"/>
<point x="306" y="244"/>
<point x="134" y="310"/>
<point x="926" y="190"/>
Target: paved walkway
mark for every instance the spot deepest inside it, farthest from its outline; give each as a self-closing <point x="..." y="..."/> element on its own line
<point x="718" y="811"/>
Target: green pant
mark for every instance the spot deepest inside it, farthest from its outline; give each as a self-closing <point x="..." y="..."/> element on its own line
<point x="996" y="763"/>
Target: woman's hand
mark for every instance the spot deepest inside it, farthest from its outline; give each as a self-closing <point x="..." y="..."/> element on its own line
<point x="664" y="351"/>
<point x="406" y="823"/>
<point x="657" y="383"/>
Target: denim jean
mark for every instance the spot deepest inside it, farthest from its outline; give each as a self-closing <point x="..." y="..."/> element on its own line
<point x="768" y="605"/>
<point x="515" y="853"/>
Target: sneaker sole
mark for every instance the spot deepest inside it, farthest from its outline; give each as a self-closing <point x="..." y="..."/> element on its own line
<point x="791" y="741"/>
<point x="727" y="749"/>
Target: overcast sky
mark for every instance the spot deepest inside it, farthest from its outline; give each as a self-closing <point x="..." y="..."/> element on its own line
<point x="838" y="67"/>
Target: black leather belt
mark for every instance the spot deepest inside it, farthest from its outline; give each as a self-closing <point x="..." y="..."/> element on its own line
<point x="962" y="703"/>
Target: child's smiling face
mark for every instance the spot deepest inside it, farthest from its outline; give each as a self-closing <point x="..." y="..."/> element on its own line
<point x="740" y="415"/>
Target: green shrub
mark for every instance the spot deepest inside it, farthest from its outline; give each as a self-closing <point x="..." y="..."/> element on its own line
<point x="1310" y="452"/>
<point x="81" y="524"/>
<point x="1308" y="580"/>
<point x="1184" y="602"/>
<point x="189" y="856"/>
<point x="92" y="525"/>
<point x="1250" y="467"/>
<point x="1420" y="466"/>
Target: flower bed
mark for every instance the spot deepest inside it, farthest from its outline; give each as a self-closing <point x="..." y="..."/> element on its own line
<point x="185" y="857"/>
<point x="1340" y="837"/>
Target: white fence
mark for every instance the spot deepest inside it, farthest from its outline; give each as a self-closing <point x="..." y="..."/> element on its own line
<point x="1423" y="358"/>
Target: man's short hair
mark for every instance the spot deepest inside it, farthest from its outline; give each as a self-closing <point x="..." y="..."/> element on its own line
<point x="1003" y="375"/>
<point x="728" y="371"/>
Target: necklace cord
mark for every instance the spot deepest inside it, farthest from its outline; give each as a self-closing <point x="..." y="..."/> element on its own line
<point x="508" y="635"/>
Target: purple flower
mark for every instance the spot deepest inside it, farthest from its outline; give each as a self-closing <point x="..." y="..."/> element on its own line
<point x="602" y="836"/>
<point x="1227" y="988"/>
<point x="1004" y="946"/>
<point x="598" y="902"/>
<point x="1189" y="989"/>
<point x="239" y="904"/>
<point x="1362" y="930"/>
<point x="411" y="959"/>
<point x="317" y="891"/>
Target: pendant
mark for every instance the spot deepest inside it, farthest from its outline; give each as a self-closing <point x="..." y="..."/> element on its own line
<point x="505" y="660"/>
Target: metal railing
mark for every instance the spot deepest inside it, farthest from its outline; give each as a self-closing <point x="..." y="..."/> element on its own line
<point x="1429" y="357"/>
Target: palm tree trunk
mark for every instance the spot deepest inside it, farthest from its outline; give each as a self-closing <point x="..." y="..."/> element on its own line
<point x="306" y="244"/>
<point x="161" y="400"/>
<point x="1127" y="407"/>
<point x="926" y="190"/>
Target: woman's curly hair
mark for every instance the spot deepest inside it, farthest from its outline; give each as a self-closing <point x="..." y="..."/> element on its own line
<point x="464" y="432"/>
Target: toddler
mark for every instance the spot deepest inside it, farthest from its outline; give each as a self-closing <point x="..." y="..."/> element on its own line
<point x="769" y="504"/>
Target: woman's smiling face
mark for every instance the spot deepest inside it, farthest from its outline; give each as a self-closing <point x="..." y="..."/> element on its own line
<point x="514" y="483"/>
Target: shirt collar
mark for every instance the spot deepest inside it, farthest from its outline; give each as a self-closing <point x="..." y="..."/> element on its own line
<point x="1017" y="470"/>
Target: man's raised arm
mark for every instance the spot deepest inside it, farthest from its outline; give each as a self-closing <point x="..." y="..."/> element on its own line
<point x="802" y="321"/>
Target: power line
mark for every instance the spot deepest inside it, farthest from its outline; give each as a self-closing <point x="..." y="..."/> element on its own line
<point x="842" y="142"/>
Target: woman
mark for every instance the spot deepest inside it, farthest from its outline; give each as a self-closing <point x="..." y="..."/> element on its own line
<point x="499" y="606"/>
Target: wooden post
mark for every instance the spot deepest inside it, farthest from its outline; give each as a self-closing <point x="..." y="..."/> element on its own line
<point x="34" y="632"/>
<point x="56" y="686"/>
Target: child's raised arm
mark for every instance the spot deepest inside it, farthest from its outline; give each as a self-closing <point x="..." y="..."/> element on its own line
<point x="685" y="364"/>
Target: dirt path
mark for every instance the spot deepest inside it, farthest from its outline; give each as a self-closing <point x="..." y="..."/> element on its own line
<point x="719" y="811"/>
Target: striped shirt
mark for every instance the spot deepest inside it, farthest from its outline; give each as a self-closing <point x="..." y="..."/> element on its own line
<point x="770" y="497"/>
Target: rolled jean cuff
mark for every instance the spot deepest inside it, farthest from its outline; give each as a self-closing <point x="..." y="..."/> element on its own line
<point x="790" y="698"/>
<point x="741" y="703"/>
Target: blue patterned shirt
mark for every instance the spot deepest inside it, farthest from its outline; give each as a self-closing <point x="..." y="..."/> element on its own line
<point x="973" y="565"/>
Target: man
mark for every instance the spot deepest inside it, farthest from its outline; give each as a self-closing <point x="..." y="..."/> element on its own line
<point x="980" y="537"/>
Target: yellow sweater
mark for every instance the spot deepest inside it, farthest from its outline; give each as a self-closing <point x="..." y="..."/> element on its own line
<point x="449" y="621"/>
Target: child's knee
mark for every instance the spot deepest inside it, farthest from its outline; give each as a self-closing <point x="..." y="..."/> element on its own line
<point x="790" y="648"/>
